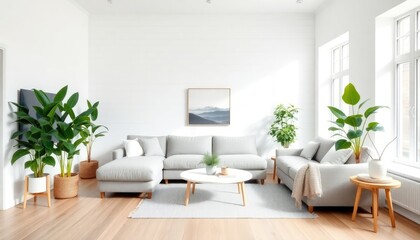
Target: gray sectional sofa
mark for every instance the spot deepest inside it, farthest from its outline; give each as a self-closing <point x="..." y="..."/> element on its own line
<point x="336" y="186"/>
<point x="179" y="153"/>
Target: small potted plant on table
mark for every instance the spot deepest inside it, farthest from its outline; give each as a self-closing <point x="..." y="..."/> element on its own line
<point x="211" y="161"/>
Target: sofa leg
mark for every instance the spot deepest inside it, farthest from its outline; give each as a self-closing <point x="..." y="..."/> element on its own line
<point x="278" y="180"/>
<point x="149" y="195"/>
<point x="262" y="181"/>
<point x="166" y="181"/>
<point x="311" y="209"/>
<point x="102" y="194"/>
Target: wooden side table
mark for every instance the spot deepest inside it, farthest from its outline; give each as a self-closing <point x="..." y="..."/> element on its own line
<point x="374" y="188"/>
<point x="275" y="167"/>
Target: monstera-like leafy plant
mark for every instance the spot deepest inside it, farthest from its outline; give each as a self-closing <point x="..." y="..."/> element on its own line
<point x="353" y="129"/>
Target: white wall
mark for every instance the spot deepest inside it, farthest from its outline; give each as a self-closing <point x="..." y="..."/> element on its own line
<point x="46" y="45"/>
<point x="357" y="17"/>
<point x="141" y="66"/>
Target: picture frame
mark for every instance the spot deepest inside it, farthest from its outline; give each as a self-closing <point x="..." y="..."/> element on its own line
<point x="208" y="106"/>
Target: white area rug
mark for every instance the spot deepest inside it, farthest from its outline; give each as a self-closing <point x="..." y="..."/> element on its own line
<point x="220" y="201"/>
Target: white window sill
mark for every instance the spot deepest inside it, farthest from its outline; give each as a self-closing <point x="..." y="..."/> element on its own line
<point x="409" y="172"/>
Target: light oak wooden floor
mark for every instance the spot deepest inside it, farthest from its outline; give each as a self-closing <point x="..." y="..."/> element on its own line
<point x="89" y="217"/>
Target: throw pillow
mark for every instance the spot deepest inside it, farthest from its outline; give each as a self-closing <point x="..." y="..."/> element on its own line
<point x="151" y="147"/>
<point x="337" y="157"/>
<point x="133" y="148"/>
<point x="310" y="149"/>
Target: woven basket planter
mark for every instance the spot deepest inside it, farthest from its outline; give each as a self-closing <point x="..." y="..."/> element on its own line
<point x="66" y="187"/>
<point x="88" y="169"/>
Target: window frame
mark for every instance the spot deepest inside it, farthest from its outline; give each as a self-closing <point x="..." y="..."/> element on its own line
<point x="338" y="75"/>
<point x="413" y="58"/>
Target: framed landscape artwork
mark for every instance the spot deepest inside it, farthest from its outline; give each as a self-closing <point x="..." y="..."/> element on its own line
<point x="208" y="106"/>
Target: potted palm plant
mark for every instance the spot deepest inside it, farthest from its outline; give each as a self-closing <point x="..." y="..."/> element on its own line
<point x="211" y="161"/>
<point x="69" y="140"/>
<point x="283" y="128"/>
<point x="353" y="129"/>
<point x="90" y="133"/>
<point x="35" y="139"/>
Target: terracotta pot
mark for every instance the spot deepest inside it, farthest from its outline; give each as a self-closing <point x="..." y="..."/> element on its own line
<point x="88" y="169"/>
<point x="66" y="187"/>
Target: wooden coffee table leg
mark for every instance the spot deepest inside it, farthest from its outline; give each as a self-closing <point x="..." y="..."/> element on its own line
<point x="375" y="210"/>
<point x="193" y="188"/>
<point x="187" y="193"/>
<point x="390" y="207"/>
<point x="239" y="188"/>
<point x="243" y="193"/>
<point x="356" y="203"/>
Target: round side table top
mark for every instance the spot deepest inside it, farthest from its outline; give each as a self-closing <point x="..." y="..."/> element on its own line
<point x="199" y="175"/>
<point x="392" y="184"/>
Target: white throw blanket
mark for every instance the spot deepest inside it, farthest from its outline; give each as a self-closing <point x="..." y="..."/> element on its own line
<point x="307" y="183"/>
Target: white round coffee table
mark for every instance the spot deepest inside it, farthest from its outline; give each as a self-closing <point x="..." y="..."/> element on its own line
<point x="199" y="175"/>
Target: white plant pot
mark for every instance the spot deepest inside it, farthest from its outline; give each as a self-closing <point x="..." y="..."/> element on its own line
<point x="377" y="168"/>
<point x="211" y="170"/>
<point x="37" y="185"/>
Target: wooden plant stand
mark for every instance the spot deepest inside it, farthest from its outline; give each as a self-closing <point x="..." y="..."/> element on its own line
<point x="26" y="193"/>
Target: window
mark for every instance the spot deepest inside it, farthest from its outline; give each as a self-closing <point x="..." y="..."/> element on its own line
<point x="407" y="102"/>
<point x="340" y="74"/>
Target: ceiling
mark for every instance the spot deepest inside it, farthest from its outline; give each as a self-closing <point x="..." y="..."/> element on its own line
<point x="199" y="6"/>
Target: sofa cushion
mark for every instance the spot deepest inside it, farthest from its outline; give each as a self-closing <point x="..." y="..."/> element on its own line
<point x="310" y="149"/>
<point x="161" y="139"/>
<point x="223" y="145"/>
<point x="243" y="161"/>
<point x="131" y="169"/>
<point x="183" y="161"/>
<point x="324" y="147"/>
<point x="151" y="147"/>
<point x="290" y="164"/>
<point x="188" y="145"/>
<point x="295" y="168"/>
<point x="132" y="148"/>
<point x="337" y="157"/>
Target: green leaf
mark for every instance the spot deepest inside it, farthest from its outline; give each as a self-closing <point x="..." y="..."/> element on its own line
<point x="342" y="144"/>
<point x="363" y="103"/>
<point x="374" y="126"/>
<point x="59" y="97"/>
<point x="352" y="134"/>
<point x="354" y="120"/>
<point x="28" y="164"/>
<point x="337" y="112"/>
<point x="372" y="110"/>
<point x="49" y="160"/>
<point x="18" y="154"/>
<point x="73" y="100"/>
<point x="335" y="129"/>
<point x="351" y="96"/>
<point x="42" y="97"/>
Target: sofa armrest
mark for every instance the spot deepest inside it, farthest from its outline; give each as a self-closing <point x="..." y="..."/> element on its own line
<point x="288" y="152"/>
<point x="118" y="153"/>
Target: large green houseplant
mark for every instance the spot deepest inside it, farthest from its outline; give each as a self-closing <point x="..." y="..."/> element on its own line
<point x="353" y="129"/>
<point x="283" y="128"/>
<point x="90" y="133"/>
<point x="68" y="126"/>
<point x="35" y="141"/>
